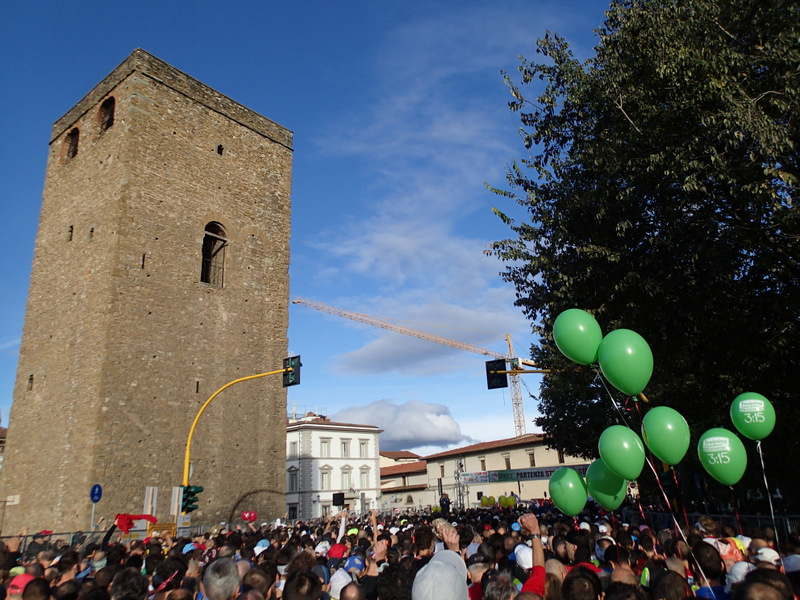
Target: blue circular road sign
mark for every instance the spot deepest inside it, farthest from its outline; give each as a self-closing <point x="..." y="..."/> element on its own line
<point x="96" y="493"/>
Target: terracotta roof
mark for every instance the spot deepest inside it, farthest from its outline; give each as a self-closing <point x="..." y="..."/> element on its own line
<point x="415" y="467"/>
<point x="396" y="454"/>
<point x="523" y="440"/>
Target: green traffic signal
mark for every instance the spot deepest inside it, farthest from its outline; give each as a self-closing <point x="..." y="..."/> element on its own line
<point x="189" y="498"/>
<point x="291" y="374"/>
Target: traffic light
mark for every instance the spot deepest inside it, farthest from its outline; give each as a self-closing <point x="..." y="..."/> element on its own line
<point x="494" y="378"/>
<point x="291" y="376"/>
<point x="189" y="499"/>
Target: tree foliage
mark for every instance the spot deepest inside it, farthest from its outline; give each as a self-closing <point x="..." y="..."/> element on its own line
<point x="660" y="185"/>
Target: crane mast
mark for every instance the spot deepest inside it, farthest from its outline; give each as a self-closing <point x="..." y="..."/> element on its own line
<point x="513" y="375"/>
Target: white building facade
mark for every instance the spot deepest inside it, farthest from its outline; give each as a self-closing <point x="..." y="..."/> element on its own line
<point x="324" y="458"/>
<point x="520" y="466"/>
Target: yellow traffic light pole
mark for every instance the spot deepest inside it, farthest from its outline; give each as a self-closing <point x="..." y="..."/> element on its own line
<point x="202" y="408"/>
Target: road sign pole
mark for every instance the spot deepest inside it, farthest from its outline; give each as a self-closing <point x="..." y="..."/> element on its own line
<point x="94" y="495"/>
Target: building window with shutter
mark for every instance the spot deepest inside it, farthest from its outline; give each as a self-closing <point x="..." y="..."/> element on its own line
<point x="214" y="245"/>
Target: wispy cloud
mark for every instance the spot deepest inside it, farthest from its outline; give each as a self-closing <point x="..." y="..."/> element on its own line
<point x="9" y="344"/>
<point x="407" y="426"/>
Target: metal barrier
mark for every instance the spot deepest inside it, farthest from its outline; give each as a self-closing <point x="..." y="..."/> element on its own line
<point x="66" y="539"/>
<point x="785" y="524"/>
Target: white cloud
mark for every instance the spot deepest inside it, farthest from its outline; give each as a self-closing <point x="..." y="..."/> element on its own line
<point x="407" y="426"/>
<point x="481" y="326"/>
<point x="11" y="343"/>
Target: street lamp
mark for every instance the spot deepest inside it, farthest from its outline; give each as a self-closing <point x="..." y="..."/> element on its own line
<point x="290" y="368"/>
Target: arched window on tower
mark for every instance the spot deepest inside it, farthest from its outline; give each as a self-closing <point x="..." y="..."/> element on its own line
<point x="107" y="113"/>
<point x="214" y="243"/>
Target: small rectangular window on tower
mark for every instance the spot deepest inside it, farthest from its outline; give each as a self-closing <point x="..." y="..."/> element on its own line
<point x="107" y="113"/>
<point x="72" y="143"/>
<point x="30" y="382"/>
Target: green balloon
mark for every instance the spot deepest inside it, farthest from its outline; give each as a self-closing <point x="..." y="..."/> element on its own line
<point x="626" y="361"/>
<point x="484" y="500"/>
<point x="503" y="502"/>
<point x="577" y="335"/>
<point x="753" y="415"/>
<point x="666" y="433"/>
<point x="568" y="491"/>
<point x="722" y="455"/>
<point x="605" y="486"/>
<point x="622" y="451"/>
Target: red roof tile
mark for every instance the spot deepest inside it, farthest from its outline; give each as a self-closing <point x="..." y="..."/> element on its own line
<point x="415" y="467"/>
<point x="397" y="454"/>
<point x="523" y="440"/>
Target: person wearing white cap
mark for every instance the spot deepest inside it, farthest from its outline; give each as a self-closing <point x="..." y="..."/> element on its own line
<point x="791" y="567"/>
<point x="736" y="574"/>
<point x="767" y="558"/>
<point x="443" y="578"/>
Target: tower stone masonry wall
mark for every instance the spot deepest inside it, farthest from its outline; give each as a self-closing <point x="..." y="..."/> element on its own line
<point x="122" y="342"/>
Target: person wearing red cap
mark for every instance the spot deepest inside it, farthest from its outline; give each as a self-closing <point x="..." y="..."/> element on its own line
<point x="17" y="585"/>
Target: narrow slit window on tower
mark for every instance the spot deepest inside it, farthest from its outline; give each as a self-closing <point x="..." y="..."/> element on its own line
<point x="72" y="143"/>
<point x="214" y="244"/>
<point x="220" y="149"/>
<point x="30" y="382"/>
<point x="91" y="233"/>
<point x="107" y="113"/>
<point x="71" y="232"/>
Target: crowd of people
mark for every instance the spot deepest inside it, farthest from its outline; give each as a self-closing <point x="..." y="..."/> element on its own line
<point x="481" y="554"/>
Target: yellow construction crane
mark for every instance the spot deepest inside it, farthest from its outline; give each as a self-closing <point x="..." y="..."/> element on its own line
<point x="515" y="362"/>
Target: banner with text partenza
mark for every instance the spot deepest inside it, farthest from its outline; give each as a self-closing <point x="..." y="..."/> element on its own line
<point x="532" y="474"/>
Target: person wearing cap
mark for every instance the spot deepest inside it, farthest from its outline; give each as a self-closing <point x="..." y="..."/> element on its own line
<point x="17" y="585"/>
<point x="736" y="574"/>
<point x="536" y="579"/>
<point x="791" y="568"/>
<point x="324" y="575"/>
<point x="477" y="565"/>
<point x="443" y="578"/>
<point x="766" y="558"/>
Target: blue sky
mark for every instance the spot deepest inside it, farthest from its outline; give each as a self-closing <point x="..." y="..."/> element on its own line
<point x="399" y="114"/>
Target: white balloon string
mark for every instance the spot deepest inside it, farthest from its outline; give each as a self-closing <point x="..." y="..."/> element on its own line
<point x="613" y="402"/>
<point x="769" y="497"/>
<point x="655" y="474"/>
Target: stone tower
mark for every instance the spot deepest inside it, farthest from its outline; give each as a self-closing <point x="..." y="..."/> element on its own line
<point x="160" y="274"/>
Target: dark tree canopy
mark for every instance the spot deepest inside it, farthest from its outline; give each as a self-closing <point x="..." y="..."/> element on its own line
<point x="660" y="188"/>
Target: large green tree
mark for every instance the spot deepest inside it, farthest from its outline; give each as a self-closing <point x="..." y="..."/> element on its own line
<point x="660" y="187"/>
